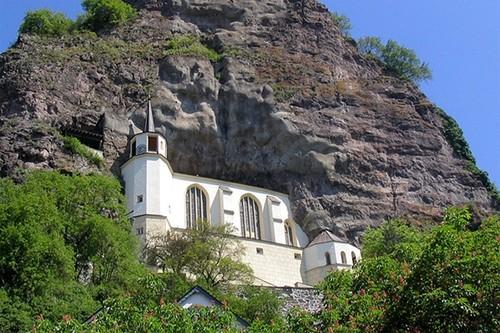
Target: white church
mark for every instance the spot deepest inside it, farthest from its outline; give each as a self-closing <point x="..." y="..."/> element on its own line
<point x="277" y="250"/>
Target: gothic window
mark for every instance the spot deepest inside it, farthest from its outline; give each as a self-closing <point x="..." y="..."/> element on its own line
<point x="153" y="144"/>
<point x="328" y="260"/>
<point x="133" y="148"/>
<point x="353" y="256"/>
<point x="343" y="257"/>
<point x="288" y="234"/>
<point x="196" y="206"/>
<point x="250" y="218"/>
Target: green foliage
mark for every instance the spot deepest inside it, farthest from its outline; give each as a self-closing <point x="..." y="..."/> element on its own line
<point x="343" y="23"/>
<point x="393" y="238"/>
<point x="190" y="46"/>
<point x="105" y="14"/>
<point x="208" y="252"/>
<point x="76" y="147"/>
<point x="66" y="245"/>
<point x="400" y="60"/>
<point x="255" y="303"/>
<point x="455" y="137"/>
<point x="47" y="23"/>
<point x="443" y="281"/>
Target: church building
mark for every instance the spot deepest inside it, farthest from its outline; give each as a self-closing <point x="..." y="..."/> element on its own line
<point x="277" y="249"/>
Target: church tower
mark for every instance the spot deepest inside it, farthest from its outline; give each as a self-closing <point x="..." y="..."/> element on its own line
<point x="147" y="175"/>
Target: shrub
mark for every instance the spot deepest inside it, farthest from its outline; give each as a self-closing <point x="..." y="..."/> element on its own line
<point x="190" y="46"/>
<point x="455" y="137"/>
<point x="45" y="22"/>
<point x="76" y="147"/>
<point x="343" y="23"/>
<point x="400" y="60"/>
<point x="103" y="14"/>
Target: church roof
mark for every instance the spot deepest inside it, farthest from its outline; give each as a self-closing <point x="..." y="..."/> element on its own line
<point x="149" y="126"/>
<point x="324" y="237"/>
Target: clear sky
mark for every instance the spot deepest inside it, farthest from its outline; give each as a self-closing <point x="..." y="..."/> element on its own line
<point x="460" y="39"/>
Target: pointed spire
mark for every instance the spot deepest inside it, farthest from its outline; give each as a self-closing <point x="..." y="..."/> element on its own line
<point x="149" y="126"/>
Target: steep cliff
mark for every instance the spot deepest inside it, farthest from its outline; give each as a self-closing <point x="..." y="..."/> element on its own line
<point x="290" y="105"/>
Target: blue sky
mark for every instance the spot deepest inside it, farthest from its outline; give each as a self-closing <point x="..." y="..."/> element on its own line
<point x="460" y="39"/>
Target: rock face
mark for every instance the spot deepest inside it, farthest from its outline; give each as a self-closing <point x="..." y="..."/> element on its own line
<point x="291" y="106"/>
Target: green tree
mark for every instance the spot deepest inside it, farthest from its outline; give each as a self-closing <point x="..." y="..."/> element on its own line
<point x="343" y="23"/>
<point x="255" y="303"/>
<point x="105" y="14"/>
<point x="45" y="22"/>
<point x="443" y="281"/>
<point x="208" y="252"/>
<point x="400" y="60"/>
<point x="65" y="245"/>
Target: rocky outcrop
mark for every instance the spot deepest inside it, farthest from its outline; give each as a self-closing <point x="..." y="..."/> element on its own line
<point x="291" y="106"/>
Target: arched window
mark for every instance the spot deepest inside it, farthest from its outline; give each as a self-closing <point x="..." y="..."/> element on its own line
<point x="343" y="257"/>
<point x="353" y="256"/>
<point x="288" y="234"/>
<point x="196" y="206"/>
<point x="249" y="217"/>
<point x="328" y="260"/>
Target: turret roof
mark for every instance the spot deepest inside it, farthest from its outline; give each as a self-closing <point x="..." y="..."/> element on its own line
<point x="149" y="126"/>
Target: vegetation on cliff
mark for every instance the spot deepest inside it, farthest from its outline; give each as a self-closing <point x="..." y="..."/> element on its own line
<point x="401" y="61"/>
<point x="99" y="15"/>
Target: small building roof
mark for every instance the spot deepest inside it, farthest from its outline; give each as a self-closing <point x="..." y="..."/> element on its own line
<point x="197" y="296"/>
<point x="324" y="237"/>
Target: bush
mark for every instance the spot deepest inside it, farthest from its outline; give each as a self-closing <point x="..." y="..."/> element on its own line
<point x="455" y="137"/>
<point x="190" y="46"/>
<point x="343" y="23"/>
<point x="76" y="147"/>
<point x="398" y="59"/>
<point x="103" y="14"/>
<point x="47" y="23"/>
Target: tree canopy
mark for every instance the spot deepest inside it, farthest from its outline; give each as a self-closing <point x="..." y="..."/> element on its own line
<point x="46" y="22"/>
<point x="209" y="253"/>
<point x="343" y="23"/>
<point x="398" y="59"/>
<point x="65" y="245"/>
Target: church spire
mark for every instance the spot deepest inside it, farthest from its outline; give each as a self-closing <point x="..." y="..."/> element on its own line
<point x="149" y="126"/>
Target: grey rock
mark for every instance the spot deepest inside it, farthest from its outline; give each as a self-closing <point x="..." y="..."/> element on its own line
<point x="292" y="107"/>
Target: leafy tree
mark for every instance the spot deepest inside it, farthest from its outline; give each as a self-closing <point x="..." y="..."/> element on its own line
<point x="443" y="281"/>
<point x="371" y="46"/>
<point x="400" y="60"/>
<point x="66" y="245"/>
<point x="208" y="252"/>
<point x="46" y="22"/>
<point x="255" y="303"/>
<point x="104" y="14"/>
<point x="342" y="22"/>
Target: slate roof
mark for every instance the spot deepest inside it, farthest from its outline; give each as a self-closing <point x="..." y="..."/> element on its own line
<point x="324" y="237"/>
<point x="149" y="126"/>
<point x="199" y="290"/>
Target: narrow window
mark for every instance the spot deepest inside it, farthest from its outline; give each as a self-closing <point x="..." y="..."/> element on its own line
<point x="140" y="198"/>
<point x="297" y="256"/>
<point x="328" y="260"/>
<point x="288" y="234"/>
<point x="133" y="148"/>
<point x="249" y="218"/>
<point x="343" y="257"/>
<point x="153" y="144"/>
<point x="196" y="206"/>
<point x="353" y="256"/>
<point x="260" y="250"/>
